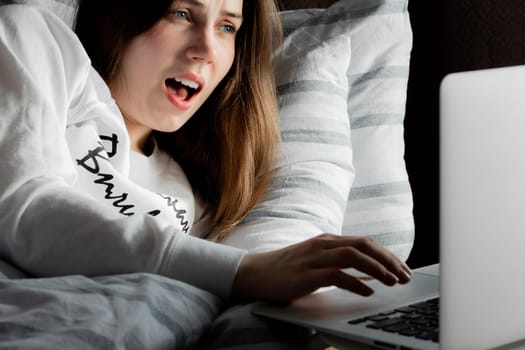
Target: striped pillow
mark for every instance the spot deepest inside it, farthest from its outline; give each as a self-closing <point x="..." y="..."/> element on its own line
<point x="380" y="201"/>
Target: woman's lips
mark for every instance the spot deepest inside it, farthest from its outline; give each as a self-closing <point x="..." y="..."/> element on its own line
<point x="179" y="87"/>
<point x="178" y="98"/>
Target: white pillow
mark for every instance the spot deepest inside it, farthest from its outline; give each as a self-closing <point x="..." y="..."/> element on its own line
<point x="380" y="202"/>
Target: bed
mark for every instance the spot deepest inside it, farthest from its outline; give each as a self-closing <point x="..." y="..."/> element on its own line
<point x="342" y="122"/>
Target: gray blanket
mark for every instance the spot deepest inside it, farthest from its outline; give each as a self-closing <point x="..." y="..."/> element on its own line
<point x="136" y="311"/>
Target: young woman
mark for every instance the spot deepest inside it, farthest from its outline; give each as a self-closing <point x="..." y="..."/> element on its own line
<point x="95" y="161"/>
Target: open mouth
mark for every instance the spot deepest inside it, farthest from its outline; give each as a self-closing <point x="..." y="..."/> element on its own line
<point x="184" y="89"/>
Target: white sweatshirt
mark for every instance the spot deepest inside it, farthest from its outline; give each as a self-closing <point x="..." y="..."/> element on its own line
<point x="67" y="204"/>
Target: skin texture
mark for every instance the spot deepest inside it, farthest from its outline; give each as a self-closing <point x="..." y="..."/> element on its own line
<point x="195" y="41"/>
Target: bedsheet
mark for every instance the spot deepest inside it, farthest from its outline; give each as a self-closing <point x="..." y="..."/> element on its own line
<point x="134" y="311"/>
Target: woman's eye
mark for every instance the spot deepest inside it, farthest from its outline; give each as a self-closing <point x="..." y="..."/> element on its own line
<point x="179" y="14"/>
<point x="228" y="29"/>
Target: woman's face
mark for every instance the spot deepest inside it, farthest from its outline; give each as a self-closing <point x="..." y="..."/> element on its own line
<point x="168" y="72"/>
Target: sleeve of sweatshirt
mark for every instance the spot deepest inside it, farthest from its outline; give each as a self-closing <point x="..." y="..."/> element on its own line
<point x="48" y="227"/>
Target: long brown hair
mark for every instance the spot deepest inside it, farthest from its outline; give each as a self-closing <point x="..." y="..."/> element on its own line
<point x="227" y="148"/>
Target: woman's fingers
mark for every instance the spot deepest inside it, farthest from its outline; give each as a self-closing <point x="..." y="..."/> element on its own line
<point x="373" y="249"/>
<point x="361" y="253"/>
<point x="350" y="257"/>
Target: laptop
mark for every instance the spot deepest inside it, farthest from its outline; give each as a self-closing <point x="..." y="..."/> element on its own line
<point x="478" y="288"/>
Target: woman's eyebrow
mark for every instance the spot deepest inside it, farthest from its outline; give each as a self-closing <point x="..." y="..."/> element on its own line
<point x="223" y="12"/>
<point x="233" y="14"/>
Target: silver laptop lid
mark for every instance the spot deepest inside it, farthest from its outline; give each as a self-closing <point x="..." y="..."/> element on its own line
<point x="482" y="208"/>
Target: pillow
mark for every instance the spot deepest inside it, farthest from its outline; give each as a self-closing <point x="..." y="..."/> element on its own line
<point x="380" y="202"/>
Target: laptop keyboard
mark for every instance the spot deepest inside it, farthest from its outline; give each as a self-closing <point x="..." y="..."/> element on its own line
<point x="420" y="320"/>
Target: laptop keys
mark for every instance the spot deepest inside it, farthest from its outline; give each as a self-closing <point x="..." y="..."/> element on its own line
<point x="420" y="320"/>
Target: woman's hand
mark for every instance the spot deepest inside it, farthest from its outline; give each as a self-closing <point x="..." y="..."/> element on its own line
<point x="297" y="270"/>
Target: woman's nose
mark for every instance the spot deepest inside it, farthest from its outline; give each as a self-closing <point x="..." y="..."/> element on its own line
<point x="204" y="47"/>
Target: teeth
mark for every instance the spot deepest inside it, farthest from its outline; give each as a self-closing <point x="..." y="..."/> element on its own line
<point x="189" y="83"/>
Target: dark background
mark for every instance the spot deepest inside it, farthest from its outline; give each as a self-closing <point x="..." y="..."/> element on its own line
<point x="421" y="132"/>
<point x="449" y="36"/>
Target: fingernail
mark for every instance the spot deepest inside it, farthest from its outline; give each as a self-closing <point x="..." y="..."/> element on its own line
<point x="367" y="292"/>
<point x="406" y="276"/>
<point x="393" y="279"/>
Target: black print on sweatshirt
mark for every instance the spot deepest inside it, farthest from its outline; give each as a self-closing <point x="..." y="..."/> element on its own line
<point x="180" y="213"/>
<point x="113" y="140"/>
<point x="90" y="162"/>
